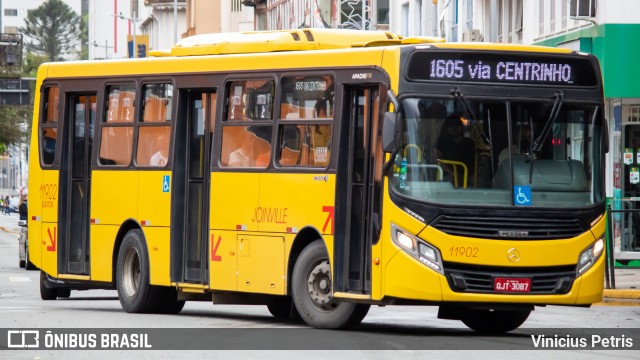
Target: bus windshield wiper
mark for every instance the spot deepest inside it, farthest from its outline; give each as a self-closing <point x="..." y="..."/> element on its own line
<point x="457" y="94"/>
<point x="468" y="111"/>
<point x="555" y="110"/>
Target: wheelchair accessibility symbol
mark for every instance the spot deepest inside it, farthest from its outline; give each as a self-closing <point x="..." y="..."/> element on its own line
<point x="166" y="183"/>
<point x="522" y="195"/>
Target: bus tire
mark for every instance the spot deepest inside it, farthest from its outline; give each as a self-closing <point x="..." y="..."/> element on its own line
<point x="313" y="292"/>
<point x="283" y="308"/>
<point x="45" y="292"/>
<point x="494" y="322"/>
<point x="64" y="293"/>
<point x="132" y="276"/>
<point x="170" y="303"/>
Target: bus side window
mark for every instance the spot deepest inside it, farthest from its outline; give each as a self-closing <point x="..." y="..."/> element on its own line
<point x="49" y="125"/>
<point x="154" y="129"/>
<point x="306" y="113"/>
<point x="117" y="126"/>
<point x="248" y="102"/>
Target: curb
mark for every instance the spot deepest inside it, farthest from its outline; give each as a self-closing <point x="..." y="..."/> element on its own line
<point x="631" y="294"/>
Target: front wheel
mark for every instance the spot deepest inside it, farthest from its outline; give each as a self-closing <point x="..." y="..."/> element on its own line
<point x="132" y="276"/>
<point x="313" y="292"/>
<point x="494" y="321"/>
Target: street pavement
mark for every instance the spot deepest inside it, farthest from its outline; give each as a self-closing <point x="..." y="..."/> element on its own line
<point x="626" y="291"/>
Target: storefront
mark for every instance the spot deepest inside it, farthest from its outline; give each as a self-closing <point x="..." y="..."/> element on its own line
<point x="615" y="45"/>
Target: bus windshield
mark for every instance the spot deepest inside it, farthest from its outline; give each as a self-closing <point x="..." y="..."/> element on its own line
<point x="500" y="152"/>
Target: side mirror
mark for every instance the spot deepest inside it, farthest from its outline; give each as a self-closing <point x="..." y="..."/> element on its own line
<point x="390" y="132"/>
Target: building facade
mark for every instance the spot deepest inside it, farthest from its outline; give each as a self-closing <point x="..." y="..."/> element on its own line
<point x="113" y="23"/>
<point x="215" y="16"/>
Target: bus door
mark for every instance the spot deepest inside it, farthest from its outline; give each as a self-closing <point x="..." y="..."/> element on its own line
<point x="190" y="192"/>
<point x="357" y="191"/>
<point x="75" y="185"/>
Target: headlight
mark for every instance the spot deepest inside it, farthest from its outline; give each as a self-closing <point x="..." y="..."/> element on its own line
<point x="417" y="248"/>
<point x="589" y="256"/>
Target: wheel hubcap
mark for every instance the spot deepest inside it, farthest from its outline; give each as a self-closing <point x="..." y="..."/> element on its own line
<point x="319" y="285"/>
<point x="131" y="272"/>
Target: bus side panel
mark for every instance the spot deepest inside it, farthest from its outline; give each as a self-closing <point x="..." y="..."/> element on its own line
<point x="114" y="196"/>
<point x="49" y="230"/>
<point x="158" y="250"/>
<point x="223" y="260"/>
<point x="290" y="202"/>
<point x="261" y="264"/>
<point x="102" y="242"/>
<point x="234" y="199"/>
<point x="154" y="204"/>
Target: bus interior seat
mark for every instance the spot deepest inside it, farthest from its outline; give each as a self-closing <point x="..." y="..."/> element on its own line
<point x="548" y="175"/>
<point x="242" y="148"/>
<point x="289" y="156"/>
<point x="115" y="145"/>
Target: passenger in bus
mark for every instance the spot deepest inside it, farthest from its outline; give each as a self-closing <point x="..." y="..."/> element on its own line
<point x="161" y="156"/>
<point x="452" y="145"/>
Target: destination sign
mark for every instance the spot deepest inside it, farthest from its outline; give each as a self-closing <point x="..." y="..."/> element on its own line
<point x="495" y="68"/>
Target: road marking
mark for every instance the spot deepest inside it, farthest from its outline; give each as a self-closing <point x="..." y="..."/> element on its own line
<point x="19" y="279"/>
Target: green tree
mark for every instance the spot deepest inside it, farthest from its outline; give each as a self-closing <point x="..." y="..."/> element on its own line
<point x="31" y="64"/>
<point x="15" y="122"/>
<point x="53" y="29"/>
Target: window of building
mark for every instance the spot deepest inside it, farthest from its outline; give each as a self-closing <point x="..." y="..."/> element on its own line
<point x="306" y="118"/>
<point x="49" y="124"/>
<point x="10" y="12"/>
<point x="117" y="125"/>
<point x="246" y="131"/>
<point x="236" y="6"/>
<point x="154" y="127"/>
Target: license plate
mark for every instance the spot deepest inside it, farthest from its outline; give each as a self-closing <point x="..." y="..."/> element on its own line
<point x="519" y="285"/>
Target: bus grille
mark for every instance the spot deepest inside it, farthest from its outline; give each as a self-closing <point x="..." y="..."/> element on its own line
<point x="479" y="279"/>
<point x="509" y="228"/>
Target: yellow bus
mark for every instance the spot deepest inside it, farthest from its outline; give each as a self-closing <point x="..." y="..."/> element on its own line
<point x="320" y="172"/>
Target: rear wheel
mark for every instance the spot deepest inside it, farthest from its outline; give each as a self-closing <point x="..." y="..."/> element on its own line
<point x="313" y="292"/>
<point x="494" y="321"/>
<point x="45" y="292"/>
<point x="132" y="276"/>
<point x="169" y="302"/>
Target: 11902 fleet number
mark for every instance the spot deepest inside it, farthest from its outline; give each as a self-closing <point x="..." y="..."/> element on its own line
<point x="464" y="251"/>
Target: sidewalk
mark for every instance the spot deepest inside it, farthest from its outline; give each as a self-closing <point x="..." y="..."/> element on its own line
<point x="627" y="287"/>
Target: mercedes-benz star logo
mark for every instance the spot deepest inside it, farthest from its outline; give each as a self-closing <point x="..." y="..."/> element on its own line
<point x="513" y="255"/>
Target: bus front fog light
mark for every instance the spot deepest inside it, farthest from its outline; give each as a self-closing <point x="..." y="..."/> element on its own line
<point x="429" y="256"/>
<point x="589" y="256"/>
<point x="428" y="252"/>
